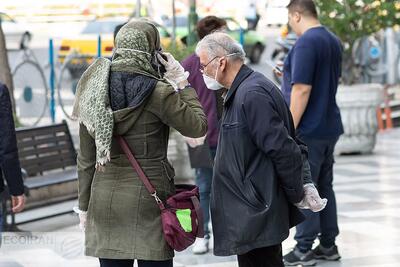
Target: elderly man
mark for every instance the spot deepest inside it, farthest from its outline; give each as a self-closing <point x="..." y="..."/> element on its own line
<point x="258" y="171"/>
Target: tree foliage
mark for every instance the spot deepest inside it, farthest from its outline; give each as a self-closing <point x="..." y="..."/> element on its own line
<point x="351" y="20"/>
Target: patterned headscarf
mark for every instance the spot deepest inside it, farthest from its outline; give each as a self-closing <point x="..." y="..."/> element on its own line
<point x="136" y="44"/>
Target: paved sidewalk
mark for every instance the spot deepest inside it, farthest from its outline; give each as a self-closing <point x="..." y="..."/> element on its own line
<point x="368" y="195"/>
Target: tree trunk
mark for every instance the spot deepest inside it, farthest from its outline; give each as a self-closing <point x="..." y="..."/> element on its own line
<point x="5" y="72"/>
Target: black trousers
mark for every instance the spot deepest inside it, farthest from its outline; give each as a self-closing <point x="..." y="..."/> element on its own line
<point x="262" y="257"/>
<point x="129" y="263"/>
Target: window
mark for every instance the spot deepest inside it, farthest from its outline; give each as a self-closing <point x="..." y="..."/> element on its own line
<point x="101" y="27"/>
<point x="232" y="25"/>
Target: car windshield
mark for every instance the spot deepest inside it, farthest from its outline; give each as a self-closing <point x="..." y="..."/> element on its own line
<point x="5" y="18"/>
<point x="232" y="25"/>
<point x="180" y="22"/>
<point x="101" y="27"/>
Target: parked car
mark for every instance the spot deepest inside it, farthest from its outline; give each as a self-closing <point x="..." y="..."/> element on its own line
<point x="85" y="47"/>
<point x="181" y="24"/>
<point x="254" y="44"/>
<point x="16" y="33"/>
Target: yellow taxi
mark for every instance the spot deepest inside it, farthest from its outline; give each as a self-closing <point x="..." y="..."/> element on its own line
<point x="81" y="51"/>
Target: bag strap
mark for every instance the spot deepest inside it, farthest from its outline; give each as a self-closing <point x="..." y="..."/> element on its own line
<point x="142" y="176"/>
<point x="199" y="214"/>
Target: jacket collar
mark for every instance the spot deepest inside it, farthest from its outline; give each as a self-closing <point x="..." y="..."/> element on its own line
<point x="243" y="73"/>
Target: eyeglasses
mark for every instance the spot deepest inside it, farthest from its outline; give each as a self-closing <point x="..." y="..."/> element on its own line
<point x="202" y="67"/>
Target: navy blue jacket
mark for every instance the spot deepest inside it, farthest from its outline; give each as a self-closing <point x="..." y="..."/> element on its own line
<point x="9" y="163"/>
<point x="258" y="168"/>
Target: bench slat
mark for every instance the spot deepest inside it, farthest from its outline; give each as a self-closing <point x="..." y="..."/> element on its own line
<point x="24" y="143"/>
<point x="43" y="130"/>
<point x="51" y="179"/>
<point x="50" y="166"/>
<point x="43" y="158"/>
<point x="44" y="150"/>
<point x="35" y="169"/>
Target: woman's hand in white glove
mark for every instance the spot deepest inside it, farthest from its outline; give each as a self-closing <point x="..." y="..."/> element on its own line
<point x="175" y="73"/>
<point x="195" y="142"/>
<point x="82" y="218"/>
<point x="311" y="199"/>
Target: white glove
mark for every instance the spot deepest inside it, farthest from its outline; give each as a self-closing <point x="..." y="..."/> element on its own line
<point x="194" y="142"/>
<point x="311" y="199"/>
<point x="175" y="73"/>
<point x="82" y="218"/>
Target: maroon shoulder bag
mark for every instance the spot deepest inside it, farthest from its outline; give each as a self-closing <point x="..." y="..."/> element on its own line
<point x="186" y="199"/>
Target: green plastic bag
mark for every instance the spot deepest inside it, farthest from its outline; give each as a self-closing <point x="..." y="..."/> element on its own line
<point x="185" y="219"/>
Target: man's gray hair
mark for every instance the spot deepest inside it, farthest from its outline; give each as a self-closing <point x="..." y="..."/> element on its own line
<point x="221" y="44"/>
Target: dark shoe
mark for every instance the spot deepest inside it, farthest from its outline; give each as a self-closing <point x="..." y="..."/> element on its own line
<point x="329" y="254"/>
<point x="296" y="257"/>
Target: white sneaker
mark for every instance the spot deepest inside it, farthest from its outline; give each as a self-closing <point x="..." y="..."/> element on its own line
<point x="200" y="246"/>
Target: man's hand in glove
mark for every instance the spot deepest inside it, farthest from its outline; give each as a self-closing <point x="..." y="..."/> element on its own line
<point x="175" y="74"/>
<point x="311" y="199"/>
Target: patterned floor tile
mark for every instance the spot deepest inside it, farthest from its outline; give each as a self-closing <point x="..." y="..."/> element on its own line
<point x="368" y="199"/>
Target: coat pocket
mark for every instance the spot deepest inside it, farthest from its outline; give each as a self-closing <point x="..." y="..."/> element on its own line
<point x="168" y="170"/>
<point x="232" y="125"/>
<point x="253" y="197"/>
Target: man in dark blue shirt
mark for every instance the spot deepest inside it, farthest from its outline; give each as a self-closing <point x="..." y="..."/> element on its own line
<point x="311" y="76"/>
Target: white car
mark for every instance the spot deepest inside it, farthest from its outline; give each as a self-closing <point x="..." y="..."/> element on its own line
<point x="276" y="13"/>
<point x="16" y="34"/>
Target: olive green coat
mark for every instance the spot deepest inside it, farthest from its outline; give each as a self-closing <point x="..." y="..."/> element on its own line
<point x="123" y="220"/>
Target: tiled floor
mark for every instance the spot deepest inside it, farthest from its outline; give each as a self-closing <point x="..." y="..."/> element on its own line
<point x="368" y="195"/>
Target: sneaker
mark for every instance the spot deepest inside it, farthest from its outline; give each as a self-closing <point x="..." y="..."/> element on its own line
<point x="200" y="246"/>
<point x="329" y="254"/>
<point x="296" y="257"/>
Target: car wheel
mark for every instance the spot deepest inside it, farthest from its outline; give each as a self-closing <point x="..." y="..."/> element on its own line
<point x="26" y="38"/>
<point x="184" y="40"/>
<point x="256" y="53"/>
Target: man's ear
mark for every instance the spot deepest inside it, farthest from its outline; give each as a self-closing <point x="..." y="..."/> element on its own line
<point x="222" y="63"/>
<point x="297" y="16"/>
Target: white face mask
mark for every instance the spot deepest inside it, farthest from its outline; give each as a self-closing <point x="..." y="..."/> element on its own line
<point x="128" y="49"/>
<point x="133" y="50"/>
<point x="212" y="83"/>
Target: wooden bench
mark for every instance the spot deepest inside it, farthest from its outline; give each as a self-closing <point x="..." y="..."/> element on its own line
<point x="48" y="160"/>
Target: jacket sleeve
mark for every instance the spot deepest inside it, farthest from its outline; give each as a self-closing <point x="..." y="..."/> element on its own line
<point x="9" y="161"/>
<point x="307" y="178"/>
<point x="86" y="166"/>
<point x="181" y="111"/>
<point x="268" y="132"/>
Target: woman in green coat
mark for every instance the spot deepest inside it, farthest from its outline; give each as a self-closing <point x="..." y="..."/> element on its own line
<point x="132" y="96"/>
